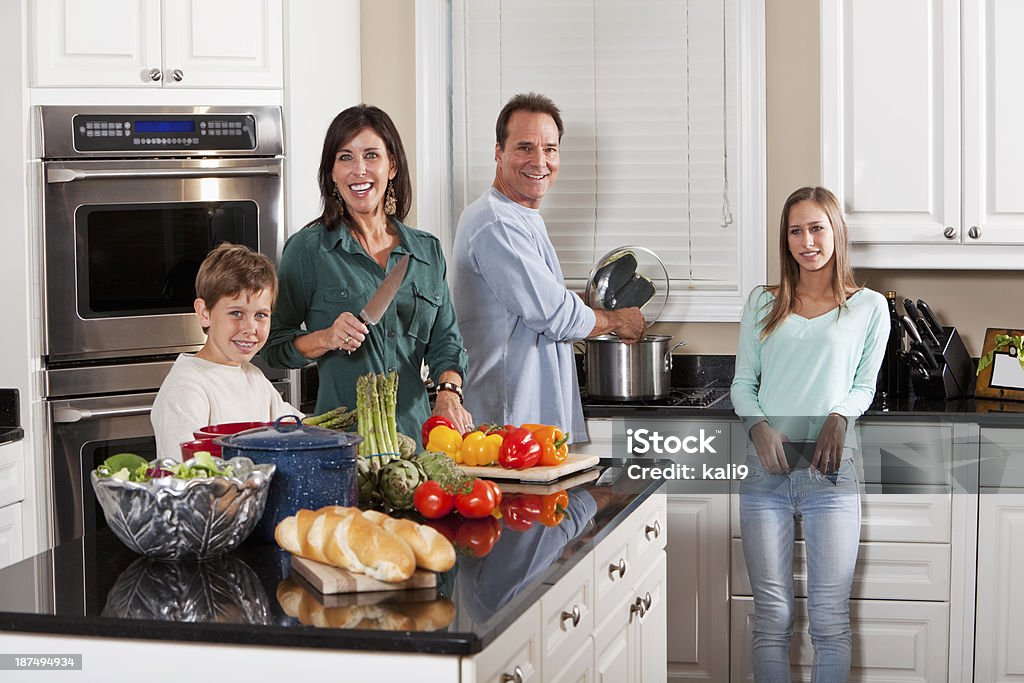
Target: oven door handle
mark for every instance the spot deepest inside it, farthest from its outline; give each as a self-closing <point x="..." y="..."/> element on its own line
<point x="67" y="175"/>
<point x="67" y="414"/>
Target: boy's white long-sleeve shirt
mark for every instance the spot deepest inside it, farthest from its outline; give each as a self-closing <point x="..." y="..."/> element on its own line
<point x="198" y="392"/>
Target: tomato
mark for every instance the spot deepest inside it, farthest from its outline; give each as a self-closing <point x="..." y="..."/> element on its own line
<point x="480" y="501"/>
<point x="478" y="536"/>
<point x="520" y="511"/>
<point x="432" y="501"/>
<point x="496" y="489"/>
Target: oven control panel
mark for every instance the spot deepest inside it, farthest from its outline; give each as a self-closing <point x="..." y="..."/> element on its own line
<point x="163" y="133"/>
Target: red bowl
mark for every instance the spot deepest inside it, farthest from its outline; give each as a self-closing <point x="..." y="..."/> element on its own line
<point x="190" y="448"/>
<point x="213" y="431"/>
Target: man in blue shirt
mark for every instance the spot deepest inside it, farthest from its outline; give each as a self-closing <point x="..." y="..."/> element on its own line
<point x="517" y="318"/>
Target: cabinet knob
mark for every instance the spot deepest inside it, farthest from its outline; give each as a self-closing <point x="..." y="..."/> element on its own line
<point x="949" y="232"/>
<point x="637" y="608"/>
<point x="155" y="74"/>
<point x="620" y="568"/>
<point x="652" y="529"/>
<point x="647" y="602"/>
<point x="178" y="75"/>
<point x="574" y="615"/>
<point x="974" y="232"/>
<point x="515" y="677"/>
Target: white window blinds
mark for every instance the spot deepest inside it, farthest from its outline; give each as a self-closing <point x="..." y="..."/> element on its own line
<point x="651" y="100"/>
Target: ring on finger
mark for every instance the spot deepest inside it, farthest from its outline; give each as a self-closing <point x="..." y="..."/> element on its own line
<point x="347" y="340"/>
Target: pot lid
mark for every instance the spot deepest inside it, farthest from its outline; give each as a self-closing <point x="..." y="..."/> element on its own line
<point x="286" y="435"/>
<point x="629" y="276"/>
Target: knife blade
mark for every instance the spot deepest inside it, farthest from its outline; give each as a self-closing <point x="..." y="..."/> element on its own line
<point x="374" y="309"/>
<point x="933" y="322"/>
<point x="918" y="319"/>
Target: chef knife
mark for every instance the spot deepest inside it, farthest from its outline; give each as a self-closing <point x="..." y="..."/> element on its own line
<point x="918" y="319"/>
<point x="933" y="322"/>
<point x="374" y="309"/>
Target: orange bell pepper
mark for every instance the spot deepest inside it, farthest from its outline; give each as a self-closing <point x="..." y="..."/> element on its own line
<point x="553" y="508"/>
<point x="553" y="443"/>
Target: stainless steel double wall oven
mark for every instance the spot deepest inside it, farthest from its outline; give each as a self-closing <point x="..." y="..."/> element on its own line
<point x="133" y="198"/>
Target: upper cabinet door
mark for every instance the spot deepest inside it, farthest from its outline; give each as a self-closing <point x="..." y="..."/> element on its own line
<point x="224" y="44"/>
<point x="891" y="117"/>
<point x="993" y="134"/>
<point x="95" y="43"/>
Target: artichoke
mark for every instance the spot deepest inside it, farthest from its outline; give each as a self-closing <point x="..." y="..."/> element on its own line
<point x="442" y="469"/>
<point x="398" y="480"/>
<point x="406" y="446"/>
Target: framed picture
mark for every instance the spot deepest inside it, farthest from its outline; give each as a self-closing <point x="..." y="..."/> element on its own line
<point x="1001" y="374"/>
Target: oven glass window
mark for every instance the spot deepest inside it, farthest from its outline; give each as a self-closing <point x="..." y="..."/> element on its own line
<point x="142" y="259"/>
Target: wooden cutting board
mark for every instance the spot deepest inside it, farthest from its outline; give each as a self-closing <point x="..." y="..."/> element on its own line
<point x="573" y="463"/>
<point x="328" y="579"/>
<point x="544" y="489"/>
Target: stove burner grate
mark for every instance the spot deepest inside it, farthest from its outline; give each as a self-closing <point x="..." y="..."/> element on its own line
<point x="683" y="397"/>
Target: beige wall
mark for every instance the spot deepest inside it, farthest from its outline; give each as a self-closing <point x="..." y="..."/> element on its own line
<point x="388" y="54"/>
<point x="971" y="300"/>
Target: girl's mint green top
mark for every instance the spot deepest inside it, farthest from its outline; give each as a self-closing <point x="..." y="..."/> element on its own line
<point x="325" y="272"/>
<point x="808" y="368"/>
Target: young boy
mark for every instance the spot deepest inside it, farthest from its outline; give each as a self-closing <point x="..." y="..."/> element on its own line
<point x="235" y="290"/>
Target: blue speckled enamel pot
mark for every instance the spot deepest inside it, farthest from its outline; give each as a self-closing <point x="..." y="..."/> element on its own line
<point x="315" y="467"/>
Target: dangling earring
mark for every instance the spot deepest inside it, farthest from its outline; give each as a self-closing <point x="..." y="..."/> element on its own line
<point x="337" y="197"/>
<point x="390" y="203"/>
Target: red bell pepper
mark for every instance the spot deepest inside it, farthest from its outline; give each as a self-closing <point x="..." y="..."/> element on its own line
<point x="434" y="421"/>
<point x="519" y="449"/>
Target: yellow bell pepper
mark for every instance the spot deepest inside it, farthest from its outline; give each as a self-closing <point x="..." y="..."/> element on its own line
<point x="479" y="449"/>
<point x="445" y="440"/>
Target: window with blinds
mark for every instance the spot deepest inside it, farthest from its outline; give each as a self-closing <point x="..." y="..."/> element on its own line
<point x="652" y="98"/>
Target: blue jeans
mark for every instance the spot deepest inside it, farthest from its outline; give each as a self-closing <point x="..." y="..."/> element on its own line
<point x="829" y="507"/>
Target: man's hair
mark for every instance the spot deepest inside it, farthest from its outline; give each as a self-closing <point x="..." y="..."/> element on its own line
<point x="231" y="269"/>
<point x="531" y="102"/>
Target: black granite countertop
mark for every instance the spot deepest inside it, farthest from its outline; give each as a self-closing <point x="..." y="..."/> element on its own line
<point x="715" y="372"/>
<point x="100" y="588"/>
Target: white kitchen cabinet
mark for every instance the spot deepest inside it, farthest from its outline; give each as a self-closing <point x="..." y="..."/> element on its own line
<point x="516" y="652"/>
<point x="921" y="186"/>
<point x="999" y="626"/>
<point x="157" y="43"/>
<point x="892" y="641"/>
<point x="11" y="547"/>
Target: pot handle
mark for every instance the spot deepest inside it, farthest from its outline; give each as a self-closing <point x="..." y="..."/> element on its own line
<point x="285" y="428"/>
<point x="668" y="355"/>
<point x="580" y="344"/>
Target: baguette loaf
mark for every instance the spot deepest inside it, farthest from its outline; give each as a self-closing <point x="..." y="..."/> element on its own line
<point x="433" y="551"/>
<point x="344" y="538"/>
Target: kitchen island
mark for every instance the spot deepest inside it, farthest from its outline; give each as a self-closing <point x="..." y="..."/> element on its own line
<point x="532" y="602"/>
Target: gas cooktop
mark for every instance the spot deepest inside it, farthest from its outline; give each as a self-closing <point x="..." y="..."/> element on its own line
<point x="681" y="397"/>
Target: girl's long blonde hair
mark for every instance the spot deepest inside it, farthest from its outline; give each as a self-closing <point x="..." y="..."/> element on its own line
<point x="842" y="275"/>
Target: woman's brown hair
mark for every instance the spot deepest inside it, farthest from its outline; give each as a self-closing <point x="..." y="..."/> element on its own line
<point x="843" y="283"/>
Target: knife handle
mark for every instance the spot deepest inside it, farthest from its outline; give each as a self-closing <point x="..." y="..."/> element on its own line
<point x="929" y="315"/>
<point x="911" y="329"/>
<point x="929" y="357"/>
<point x="922" y="325"/>
<point x="911" y="308"/>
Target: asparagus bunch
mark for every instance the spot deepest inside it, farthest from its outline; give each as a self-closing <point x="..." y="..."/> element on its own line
<point x="337" y="418"/>
<point x="376" y="401"/>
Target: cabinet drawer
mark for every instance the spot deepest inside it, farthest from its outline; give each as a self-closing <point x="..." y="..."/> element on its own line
<point x="519" y="646"/>
<point x="1002" y="457"/>
<point x="909" y="517"/>
<point x="12" y="475"/>
<point x="563" y="633"/>
<point x="615" y="571"/>
<point x="885" y="571"/>
<point x="11" y="549"/>
<point x="651" y="534"/>
<point x="906" y="453"/>
<point x="893" y="641"/>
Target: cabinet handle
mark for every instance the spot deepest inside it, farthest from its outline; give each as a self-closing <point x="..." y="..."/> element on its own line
<point x="515" y="677"/>
<point x="155" y="74"/>
<point x="652" y="529"/>
<point x="974" y="233"/>
<point x="647" y="602"/>
<point x="620" y="568"/>
<point x="636" y="608"/>
<point x="178" y="75"/>
<point x="574" y="615"/>
<point x="949" y="232"/>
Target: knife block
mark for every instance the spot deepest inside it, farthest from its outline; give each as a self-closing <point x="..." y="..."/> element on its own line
<point x="953" y="378"/>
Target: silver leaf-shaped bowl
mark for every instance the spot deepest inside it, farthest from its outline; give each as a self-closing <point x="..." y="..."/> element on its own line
<point x="224" y="590"/>
<point x="186" y="519"/>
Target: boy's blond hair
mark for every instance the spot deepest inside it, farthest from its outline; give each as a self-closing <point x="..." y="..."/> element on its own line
<point x="231" y="269"/>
